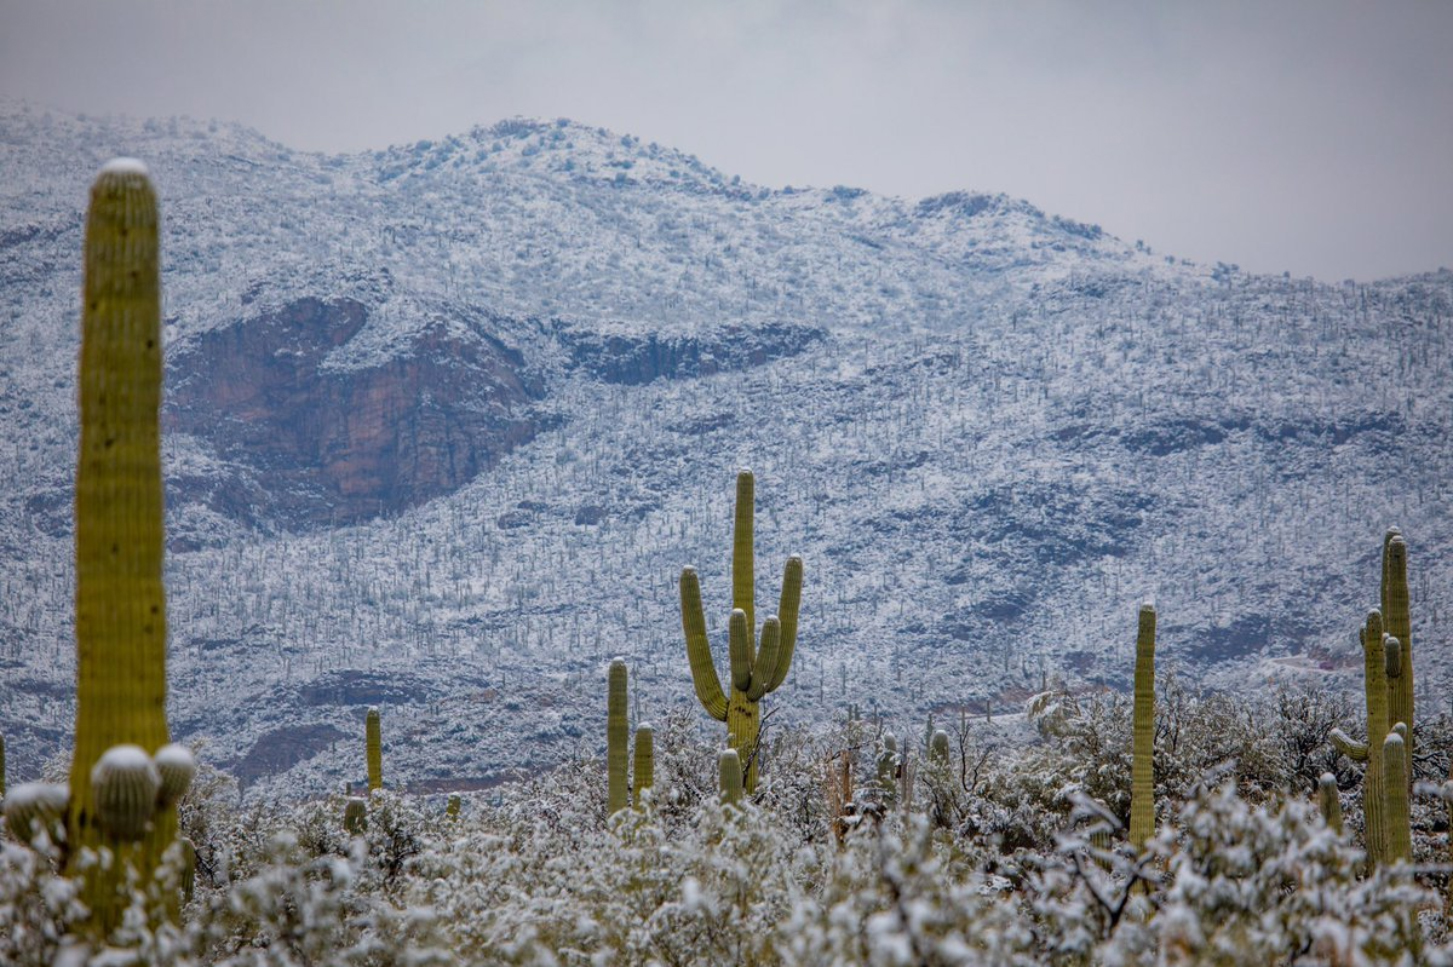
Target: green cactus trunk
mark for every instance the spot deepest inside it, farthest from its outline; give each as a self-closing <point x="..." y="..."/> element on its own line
<point x="617" y="740"/>
<point x="755" y="670"/>
<point x="1142" y="777"/>
<point x="120" y="601"/>
<point x="373" y="729"/>
<point x="1398" y="623"/>
<point x="645" y="765"/>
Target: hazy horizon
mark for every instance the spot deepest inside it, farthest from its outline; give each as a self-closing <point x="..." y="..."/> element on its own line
<point x="1309" y="137"/>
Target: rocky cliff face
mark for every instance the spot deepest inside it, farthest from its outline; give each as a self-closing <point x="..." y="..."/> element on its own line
<point x="333" y="444"/>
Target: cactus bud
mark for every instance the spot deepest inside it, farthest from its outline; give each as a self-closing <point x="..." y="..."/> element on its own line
<point x="124" y="787"/>
<point x="176" y="765"/>
<point x="35" y="806"/>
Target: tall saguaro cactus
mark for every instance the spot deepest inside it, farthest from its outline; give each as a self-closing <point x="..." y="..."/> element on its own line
<point x="756" y="668"/>
<point x="120" y="602"/>
<point x="617" y="739"/>
<point x="1142" y="778"/>
<point x="373" y="729"/>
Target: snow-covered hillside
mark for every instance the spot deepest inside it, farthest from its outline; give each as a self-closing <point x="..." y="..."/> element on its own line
<point x="990" y="432"/>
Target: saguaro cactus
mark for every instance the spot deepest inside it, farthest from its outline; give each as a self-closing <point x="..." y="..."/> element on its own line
<point x="120" y="602"/>
<point x="1399" y="822"/>
<point x="731" y="777"/>
<point x="617" y="739"/>
<point x="1398" y="623"/>
<point x="1374" y="668"/>
<point x="755" y="670"/>
<point x="373" y="730"/>
<point x="645" y="766"/>
<point x="1142" y="778"/>
<point x="888" y="765"/>
<point x="1329" y="800"/>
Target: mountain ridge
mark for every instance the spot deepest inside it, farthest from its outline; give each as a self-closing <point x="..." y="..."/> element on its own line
<point x="991" y="432"/>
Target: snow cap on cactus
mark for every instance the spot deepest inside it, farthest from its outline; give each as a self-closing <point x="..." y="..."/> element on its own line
<point x="35" y="806"/>
<point x="124" y="787"/>
<point x="177" y="766"/>
<point x="125" y="166"/>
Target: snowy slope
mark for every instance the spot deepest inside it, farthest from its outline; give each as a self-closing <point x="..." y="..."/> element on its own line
<point x="991" y="432"/>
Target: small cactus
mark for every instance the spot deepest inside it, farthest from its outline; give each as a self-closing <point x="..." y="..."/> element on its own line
<point x="645" y="765"/>
<point x="124" y="787"/>
<point x="731" y="778"/>
<point x="374" y="732"/>
<point x="451" y="810"/>
<point x="617" y="739"/>
<point x="938" y="749"/>
<point x="1329" y="799"/>
<point x="1142" y="781"/>
<point x="355" y="816"/>
<point x="888" y="769"/>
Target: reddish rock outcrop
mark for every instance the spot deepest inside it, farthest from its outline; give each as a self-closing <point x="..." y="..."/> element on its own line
<point x="332" y="444"/>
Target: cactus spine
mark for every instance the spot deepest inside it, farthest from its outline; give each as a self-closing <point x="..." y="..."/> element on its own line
<point x="645" y="767"/>
<point x="617" y="739"/>
<point x="755" y="671"/>
<point x="374" y="732"/>
<point x="1142" y="779"/>
<point x="120" y="601"/>
<point x="731" y="777"/>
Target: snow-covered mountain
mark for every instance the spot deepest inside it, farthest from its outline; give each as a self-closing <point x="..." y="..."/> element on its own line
<point x="445" y="420"/>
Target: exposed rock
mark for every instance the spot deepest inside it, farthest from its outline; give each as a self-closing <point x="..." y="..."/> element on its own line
<point x="335" y="445"/>
<point x="634" y="359"/>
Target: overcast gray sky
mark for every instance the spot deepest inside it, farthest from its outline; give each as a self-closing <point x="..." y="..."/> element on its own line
<point x="1314" y="136"/>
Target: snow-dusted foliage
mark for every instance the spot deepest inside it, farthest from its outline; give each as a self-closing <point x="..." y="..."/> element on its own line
<point x="1005" y="854"/>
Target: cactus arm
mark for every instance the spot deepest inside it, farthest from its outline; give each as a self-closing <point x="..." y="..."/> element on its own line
<point x="767" y="657"/>
<point x="787" y="615"/>
<point x="1348" y="746"/>
<point x="743" y="565"/>
<point x="1398" y="624"/>
<point x="1399" y="827"/>
<point x="1142" y="785"/>
<point x="698" y="649"/>
<point x="739" y="638"/>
